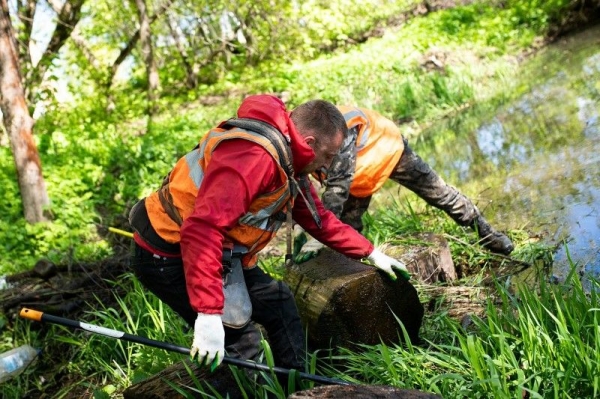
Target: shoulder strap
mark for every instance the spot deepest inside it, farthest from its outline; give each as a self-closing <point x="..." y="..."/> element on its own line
<point x="166" y="200"/>
<point x="279" y="141"/>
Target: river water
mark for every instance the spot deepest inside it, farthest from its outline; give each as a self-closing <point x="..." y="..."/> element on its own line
<point x="532" y="163"/>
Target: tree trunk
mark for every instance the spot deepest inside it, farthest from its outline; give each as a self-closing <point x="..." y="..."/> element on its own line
<point x="186" y="376"/>
<point x="362" y="392"/>
<point x="152" y="71"/>
<point x="123" y="54"/>
<point x="343" y="302"/>
<point x="126" y="51"/>
<point x="19" y="125"/>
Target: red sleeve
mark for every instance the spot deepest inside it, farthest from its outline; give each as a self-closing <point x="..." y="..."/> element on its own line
<point x="238" y="171"/>
<point x="334" y="233"/>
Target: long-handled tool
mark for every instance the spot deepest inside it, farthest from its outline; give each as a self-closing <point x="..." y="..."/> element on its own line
<point x="36" y="315"/>
<point x="121" y="232"/>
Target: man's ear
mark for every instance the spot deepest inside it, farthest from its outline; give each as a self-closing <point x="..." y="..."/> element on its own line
<point x="310" y="140"/>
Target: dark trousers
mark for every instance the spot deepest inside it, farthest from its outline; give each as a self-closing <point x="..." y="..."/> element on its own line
<point x="273" y="307"/>
<point x="416" y="175"/>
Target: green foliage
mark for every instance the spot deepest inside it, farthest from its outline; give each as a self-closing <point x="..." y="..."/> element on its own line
<point x="537" y="14"/>
<point x="387" y="223"/>
<point x="95" y="166"/>
<point x="389" y="74"/>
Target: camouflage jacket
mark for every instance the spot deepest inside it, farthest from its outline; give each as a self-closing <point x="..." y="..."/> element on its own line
<point x="340" y="174"/>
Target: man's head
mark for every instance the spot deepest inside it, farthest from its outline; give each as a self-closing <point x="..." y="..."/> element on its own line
<point x="323" y="128"/>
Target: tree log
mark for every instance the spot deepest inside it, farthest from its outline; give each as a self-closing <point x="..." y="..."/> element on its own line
<point x="186" y="376"/>
<point x="427" y="256"/>
<point x="342" y="301"/>
<point x="54" y="289"/>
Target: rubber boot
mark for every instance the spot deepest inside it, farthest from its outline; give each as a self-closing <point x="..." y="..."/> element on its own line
<point x="416" y="175"/>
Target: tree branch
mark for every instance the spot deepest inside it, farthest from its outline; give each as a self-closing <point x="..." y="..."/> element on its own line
<point x="79" y="40"/>
<point x="55" y="6"/>
<point x="68" y="17"/>
<point x="125" y="52"/>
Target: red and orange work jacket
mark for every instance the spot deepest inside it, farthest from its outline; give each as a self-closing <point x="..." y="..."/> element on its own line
<point x="254" y="230"/>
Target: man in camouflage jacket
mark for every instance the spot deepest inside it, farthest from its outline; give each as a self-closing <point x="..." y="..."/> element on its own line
<point x="375" y="151"/>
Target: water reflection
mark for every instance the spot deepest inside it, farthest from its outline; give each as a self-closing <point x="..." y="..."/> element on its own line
<point x="533" y="162"/>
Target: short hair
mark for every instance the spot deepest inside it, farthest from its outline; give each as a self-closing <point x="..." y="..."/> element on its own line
<point x="320" y="116"/>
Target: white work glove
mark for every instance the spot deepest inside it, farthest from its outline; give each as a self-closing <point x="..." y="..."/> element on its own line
<point x="209" y="340"/>
<point x="388" y="264"/>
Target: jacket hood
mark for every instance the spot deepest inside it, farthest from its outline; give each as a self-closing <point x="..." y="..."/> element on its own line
<point x="270" y="109"/>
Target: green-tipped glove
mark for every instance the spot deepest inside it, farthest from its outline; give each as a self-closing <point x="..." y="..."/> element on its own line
<point x="299" y="241"/>
<point x="305" y="249"/>
<point x="388" y="264"/>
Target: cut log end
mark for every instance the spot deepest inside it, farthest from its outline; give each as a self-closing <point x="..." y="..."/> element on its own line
<point x="342" y="301"/>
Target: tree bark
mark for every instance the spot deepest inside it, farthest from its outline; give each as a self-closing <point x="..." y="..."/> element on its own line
<point x="344" y="302"/>
<point x="19" y="125"/>
<point x="362" y="392"/>
<point x="151" y="70"/>
<point x="186" y="376"/>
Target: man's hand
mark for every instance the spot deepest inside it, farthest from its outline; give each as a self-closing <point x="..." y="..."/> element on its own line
<point x="305" y="252"/>
<point x="388" y="264"/>
<point x="209" y="340"/>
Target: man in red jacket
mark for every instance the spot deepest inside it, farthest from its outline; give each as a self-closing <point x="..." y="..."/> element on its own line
<point x="197" y="237"/>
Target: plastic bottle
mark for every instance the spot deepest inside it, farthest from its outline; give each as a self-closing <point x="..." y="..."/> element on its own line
<point x="16" y="360"/>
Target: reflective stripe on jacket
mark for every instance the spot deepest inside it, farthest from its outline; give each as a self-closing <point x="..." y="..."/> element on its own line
<point x="254" y="230"/>
<point x="379" y="146"/>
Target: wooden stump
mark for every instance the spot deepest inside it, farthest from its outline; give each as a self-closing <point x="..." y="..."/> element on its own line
<point x="362" y="392"/>
<point x="427" y="256"/>
<point x="343" y="301"/>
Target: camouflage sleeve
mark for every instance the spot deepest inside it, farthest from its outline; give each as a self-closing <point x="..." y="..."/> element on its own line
<point x="340" y="175"/>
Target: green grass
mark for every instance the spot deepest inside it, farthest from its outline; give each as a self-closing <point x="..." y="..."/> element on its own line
<point x="541" y="340"/>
